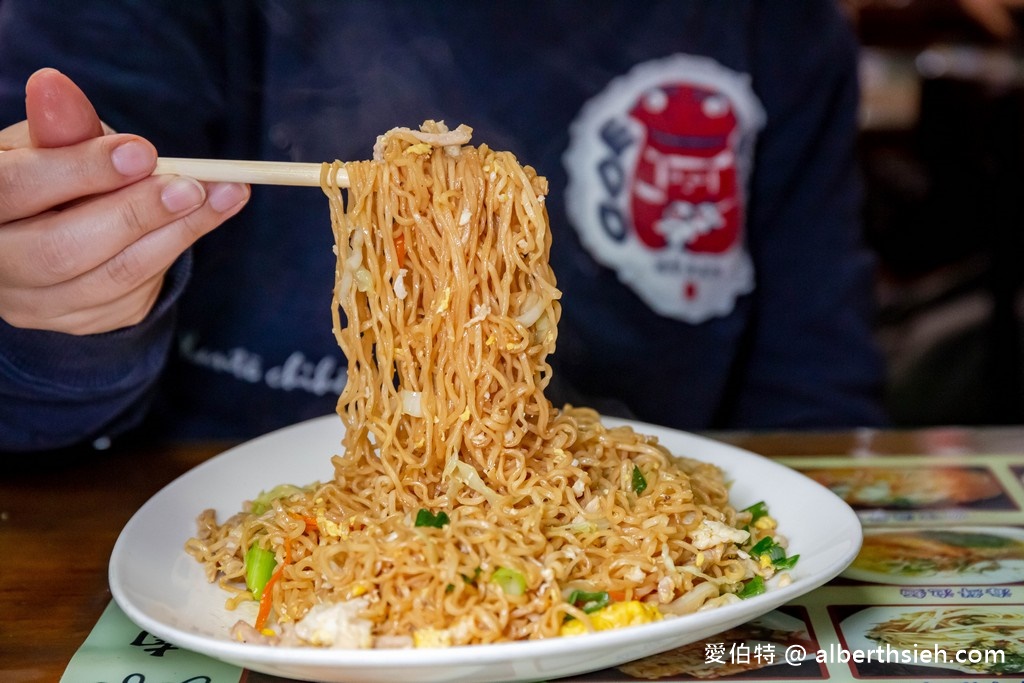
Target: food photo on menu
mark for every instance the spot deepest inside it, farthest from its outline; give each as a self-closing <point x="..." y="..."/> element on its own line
<point x="923" y="486"/>
<point x="956" y="614"/>
<point x="940" y="556"/>
<point x="922" y="641"/>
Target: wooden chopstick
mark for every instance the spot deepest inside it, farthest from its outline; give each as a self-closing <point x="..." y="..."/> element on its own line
<point x="253" y="172"/>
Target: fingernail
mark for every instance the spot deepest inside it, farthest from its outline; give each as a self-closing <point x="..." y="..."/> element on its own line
<point x="133" y="158"/>
<point x="181" y="194"/>
<point x="224" y="196"/>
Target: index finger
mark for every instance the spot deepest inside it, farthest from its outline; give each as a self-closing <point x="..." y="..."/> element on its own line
<point x="34" y="180"/>
<point x="15" y="136"/>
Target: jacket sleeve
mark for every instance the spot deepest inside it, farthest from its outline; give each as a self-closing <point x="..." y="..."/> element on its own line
<point x="59" y="390"/>
<point x="810" y="358"/>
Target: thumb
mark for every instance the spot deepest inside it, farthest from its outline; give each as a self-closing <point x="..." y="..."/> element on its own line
<point x="58" y="112"/>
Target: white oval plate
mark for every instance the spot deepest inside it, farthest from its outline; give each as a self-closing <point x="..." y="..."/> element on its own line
<point x="164" y="591"/>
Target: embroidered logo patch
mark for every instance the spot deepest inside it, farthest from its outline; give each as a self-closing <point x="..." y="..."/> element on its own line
<point x="658" y="164"/>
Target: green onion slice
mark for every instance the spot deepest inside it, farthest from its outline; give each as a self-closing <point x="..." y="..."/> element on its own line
<point x="427" y="518"/>
<point x="511" y="581"/>
<point x="757" y="510"/>
<point x="776" y="553"/>
<point x="639" y="482"/>
<point x="751" y="588"/>
<point x="589" y="602"/>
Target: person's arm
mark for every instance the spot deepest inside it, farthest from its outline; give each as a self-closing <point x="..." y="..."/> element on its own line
<point x="87" y="237"/>
<point x="811" y="360"/>
<point x="60" y="390"/>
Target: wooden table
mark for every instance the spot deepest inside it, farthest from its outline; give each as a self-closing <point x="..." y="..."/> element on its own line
<point x="57" y="527"/>
<point x="59" y="522"/>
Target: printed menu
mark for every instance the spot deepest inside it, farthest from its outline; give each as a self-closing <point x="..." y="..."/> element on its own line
<point x="935" y="594"/>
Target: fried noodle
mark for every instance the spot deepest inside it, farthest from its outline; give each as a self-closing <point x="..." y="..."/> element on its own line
<point x="446" y="308"/>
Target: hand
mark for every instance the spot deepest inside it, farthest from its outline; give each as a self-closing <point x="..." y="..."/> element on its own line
<point x="86" y="232"/>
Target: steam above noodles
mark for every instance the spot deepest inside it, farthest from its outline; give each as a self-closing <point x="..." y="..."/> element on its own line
<point x="464" y="507"/>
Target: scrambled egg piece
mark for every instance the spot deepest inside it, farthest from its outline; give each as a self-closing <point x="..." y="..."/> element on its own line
<point x="711" y="533"/>
<point x="615" y="615"/>
<point x="431" y="637"/>
<point x="330" y="528"/>
<point x="456" y="634"/>
<point x="419" y="148"/>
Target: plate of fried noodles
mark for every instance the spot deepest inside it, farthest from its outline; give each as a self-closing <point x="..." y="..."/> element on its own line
<point x="450" y="523"/>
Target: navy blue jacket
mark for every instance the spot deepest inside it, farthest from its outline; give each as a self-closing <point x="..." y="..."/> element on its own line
<point x="703" y="200"/>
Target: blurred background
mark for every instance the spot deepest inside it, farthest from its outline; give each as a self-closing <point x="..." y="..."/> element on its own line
<point x="942" y="150"/>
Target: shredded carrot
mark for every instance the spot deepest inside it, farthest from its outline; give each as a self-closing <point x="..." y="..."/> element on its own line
<point x="617" y="596"/>
<point x="267" y="599"/>
<point x="400" y="248"/>
<point x="309" y="521"/>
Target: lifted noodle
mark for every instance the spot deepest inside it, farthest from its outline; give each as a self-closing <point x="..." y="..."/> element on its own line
<point x="446" y="308"/>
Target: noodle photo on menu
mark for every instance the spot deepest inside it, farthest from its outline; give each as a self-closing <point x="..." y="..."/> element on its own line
<point x="932" y="639"/>
<point x="464" y="507"/>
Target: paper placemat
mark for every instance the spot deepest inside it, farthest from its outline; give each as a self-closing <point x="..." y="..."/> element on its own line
<point x="118" y="651"/>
